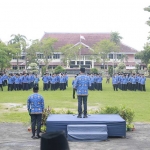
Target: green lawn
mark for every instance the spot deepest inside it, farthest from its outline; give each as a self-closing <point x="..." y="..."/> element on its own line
<point x="138" y="101"/>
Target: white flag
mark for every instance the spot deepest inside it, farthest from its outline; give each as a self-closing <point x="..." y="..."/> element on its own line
<point x="82" y="37"/>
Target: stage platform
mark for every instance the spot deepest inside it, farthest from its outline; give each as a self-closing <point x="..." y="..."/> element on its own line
<point x="116" y="125"/>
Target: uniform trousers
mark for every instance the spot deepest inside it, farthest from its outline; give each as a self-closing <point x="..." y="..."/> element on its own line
<point x="1" y="86"/>
<point x="82" y="99"/>
<point x="115" y="86"/>
<point x="36" y="119"/>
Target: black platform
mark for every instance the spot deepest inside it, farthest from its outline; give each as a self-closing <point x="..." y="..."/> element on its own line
<point x="115" y="124"/>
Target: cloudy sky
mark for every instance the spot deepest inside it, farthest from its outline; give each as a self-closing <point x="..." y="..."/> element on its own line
<point x="34" y="17"/>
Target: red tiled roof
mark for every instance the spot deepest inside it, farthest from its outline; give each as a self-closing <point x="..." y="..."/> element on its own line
<point x="90" y="40"/>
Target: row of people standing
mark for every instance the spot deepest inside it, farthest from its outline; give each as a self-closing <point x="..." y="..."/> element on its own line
<point x="18" y="81"/>
<point x="55" y="81"/>
<point x="96" y="82"/>
<point x="130" y="82"/>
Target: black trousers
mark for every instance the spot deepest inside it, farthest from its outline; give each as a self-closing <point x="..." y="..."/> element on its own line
<point x="99" y="86"/>
<point x="80" y="100"/>
<point x="52" y="87"/>
<point x="45" y="86"/>
<point x="115" y="86"/>
<point x="74" y="91"/>
<point x="1" y="86"/>
<point x="143" y="87"/>
<point x="61" y="86"/>
<point x="36" y="119"/>
<point x="10" y="87"/>
<point x="16" y="87"/>
<point x="25" y="86"/>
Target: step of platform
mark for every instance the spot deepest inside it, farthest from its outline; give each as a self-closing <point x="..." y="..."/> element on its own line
<point x="87" y="132"/>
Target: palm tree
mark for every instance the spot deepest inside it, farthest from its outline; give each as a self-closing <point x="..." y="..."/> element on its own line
<point x="115" y="37"/>
<point x="19" y="43"/>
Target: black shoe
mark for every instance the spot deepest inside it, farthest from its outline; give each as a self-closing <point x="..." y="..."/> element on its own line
<point x="37" y="137"/>
<point x="79" y="116"/>
<point x="85" y="116"/>
<point x="33" y="136"/>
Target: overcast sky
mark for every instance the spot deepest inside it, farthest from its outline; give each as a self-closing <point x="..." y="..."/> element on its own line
<point x="34" y="17"/>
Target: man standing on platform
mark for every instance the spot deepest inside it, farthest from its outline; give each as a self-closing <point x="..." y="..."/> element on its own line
<point x="82" y="83"/>
<point x="35" y="106"/>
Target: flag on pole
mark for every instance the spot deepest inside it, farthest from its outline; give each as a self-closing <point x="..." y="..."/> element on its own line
<point x="82" y="37"/>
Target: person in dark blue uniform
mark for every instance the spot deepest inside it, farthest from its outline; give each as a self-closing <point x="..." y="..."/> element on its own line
<point x="82" y="83"/>
<point x="35" y="106"/>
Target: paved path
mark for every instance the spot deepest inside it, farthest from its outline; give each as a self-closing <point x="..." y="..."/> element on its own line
<point x="16" y="137"/>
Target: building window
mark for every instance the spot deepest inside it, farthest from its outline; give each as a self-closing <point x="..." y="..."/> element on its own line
<point x="110" y="56"/>
<point x="49" y="57"/>
<point x="56" y="56"/>
<point x="118" y="56"/>
<point x="14" y="67"/>
<point x="40" y="56"/>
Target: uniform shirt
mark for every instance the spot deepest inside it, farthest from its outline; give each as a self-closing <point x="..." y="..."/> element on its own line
<point x="143" y="79"/>
<point x="17" y="80"/>
<point x="82" y="83"/>
<point x="45" y="79"/>
<point x="35" y="104"/>
<point x="36" y="80"/>
<point x="1" y="79"/>
<point x="10" y="80"/>
<point x="99" y="79"/>
<point x="114" y="80"/>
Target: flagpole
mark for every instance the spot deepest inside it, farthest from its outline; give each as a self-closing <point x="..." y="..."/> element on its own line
<point x="80" y="53"/>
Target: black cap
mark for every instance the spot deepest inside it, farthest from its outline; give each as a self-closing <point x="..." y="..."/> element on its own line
<point x="54" y="141"/>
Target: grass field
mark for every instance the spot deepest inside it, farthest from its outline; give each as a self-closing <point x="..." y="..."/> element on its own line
<point x="138" y="101"/>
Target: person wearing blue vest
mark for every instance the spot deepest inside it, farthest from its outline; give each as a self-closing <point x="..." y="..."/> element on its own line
<point x="74" y="90"/>
<point x="1" y="82"/>
<point x="143" y="80"/>
<point x="99" y="82"/>
<point x="45" y="82"/>
<point x="53" y="82"/>
<point x="25" y="81"/>
<point x="36" y="81"/>
<point x="16" y="87"/>
<point x="20" y="81"/>
<point x="81" y="84"/>
<point x="35" y="106"/>
<point x="62" y="82"/>
<point x="115" y="82"/>
<point x="10" y="82"/>
<point x="5" y="79"/>
<point x="133" y="81"/>
<point x="92" y="82"/>
<point x="124" y="82"/>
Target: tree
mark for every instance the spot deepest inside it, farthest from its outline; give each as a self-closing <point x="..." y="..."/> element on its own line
<point x="121" y="67"/>
<point x="145" y="54"/>
<point x="18" y="42"/>
<point x="94" y="70"/>
<point x="147" y="9"/>
<point x="70" y="52"/>
<point x="46" y="46"/>
<point x="148" y="68"/>
<point x="115" y="37"/>
<point x="103" y="48"/>
<point x="59" y="69"/>
<point x="124" y="57"/>
<point x="110" y="70"/>
<point x="31" y="52"/>
<point x="5" y="55"/>
<point x="33" y="67"/>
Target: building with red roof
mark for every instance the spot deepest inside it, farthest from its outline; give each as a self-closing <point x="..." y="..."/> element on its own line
<point x="87" y="40"/>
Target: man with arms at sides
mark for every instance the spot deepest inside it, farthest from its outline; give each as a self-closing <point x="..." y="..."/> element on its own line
<point x="82" y="83"/>
<point x="35" y="106"/>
